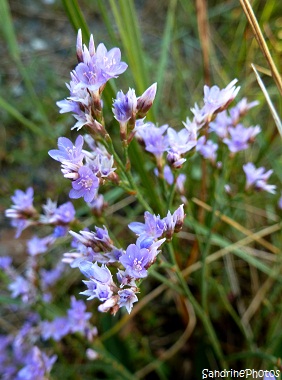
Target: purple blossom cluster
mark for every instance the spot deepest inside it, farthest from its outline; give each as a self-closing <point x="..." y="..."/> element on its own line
<point x="22" y="211"/>
<point x="215" y="101"/>
<point x="177" y="144"/>
<point x="23" y="214"/>
<point x="96" y="247"/>
<point x="256" y="178"/>
<point x="21" y="357"/>
<point x="76" y="320"/>
<point x="226" y="124"/>
<point x="95" y="67"/>
<point x="33" y="280"/>
<point x="158" y="140"/>
<point x="128" y="108"/>
<point x="86" y="169"/>
<point x="228" y="128"/>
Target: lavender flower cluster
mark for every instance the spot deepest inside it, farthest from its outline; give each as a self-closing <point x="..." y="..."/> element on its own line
<point x="86" y="169"/>
<point x="21" y="354"/>
<point x="94" y="248"/>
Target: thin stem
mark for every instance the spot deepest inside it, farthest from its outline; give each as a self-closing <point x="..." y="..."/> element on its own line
<point x="171" y="195"/>
<point x="199" y="310"/>
<point x="247" y="8"/>
<point x="127" y="173"/>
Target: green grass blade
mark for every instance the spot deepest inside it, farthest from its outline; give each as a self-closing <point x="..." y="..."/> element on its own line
<point x="269" y="102"/>
<point x="8" y="31"/>
<point x="125" y="16"/>
<point x="262" y="43"/>
<point x="76" y="17"/>
<point x="224" y="243"/>
<point x="166" y="41"/>
<point x="23" y="120"/>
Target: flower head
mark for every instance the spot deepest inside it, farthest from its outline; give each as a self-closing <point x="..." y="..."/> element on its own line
<point x="207" y="148"/>
<point x="215" y="101"/>
<point x="257" y="178"/>
<point x="135" y="261"/>
<point x="125" y="105"/>
<point x="240" y="137"/>
<point x="22" y="211"/>
<point x="68" y="151"/>
<point x="153" y="227"/>
<point x="126" y="298"/>
<point x="145" y="101"/>
<point x="85" y="186"/>
<point x="36" y="245"/>
<point x="37" y="365"/>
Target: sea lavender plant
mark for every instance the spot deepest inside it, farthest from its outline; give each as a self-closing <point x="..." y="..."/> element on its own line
<point x="115" y="273"/>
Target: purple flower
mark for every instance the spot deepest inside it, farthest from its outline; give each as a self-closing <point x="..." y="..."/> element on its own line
<point x="56" y="329"/>
<point x="22" y="211"/>
<point x="167" y="173"/>
<point x="83" y="54"/>
<point x="59" y="231"/>
<point x="77" y="316"/>
<point x="50" y="277"/>
<point x="174" y="222"/>
<point x="179" y="216"/>
<point x="207" y="148"/>
<point x="175" y="160"/>
<point x="89" y="76"/>
<point x="36" y="245"/>
<point x="180" y="142"/>
<point x="20" y="287"/>
<point x="257" y="178"/>
<point x="64" y="213"/>
<point x="5" y="262"/>
<point x="98" y="205"/>
<point x="241" y="109"/>
<point x="97" y="290"/>
<point x="215" y="100"/>
<point x="85" y="186"/>
<point x="23" y="201"/>
<point x="37" y="365"/>
<point x="153" y="227"/>
<point x="135" y="261"/>
<point x="98" y="241"/>
<point x="98" y="274"/>
<point x="240" y="137"/>
<point x="102" y="165"/>
<point x="125" y="106"/>
<point x="68" y="151"/>
<point x="153" y="138"/>
<point x="126" y="298"/>
<point x="152" y="247"/>
<point x="109" y="62"/>
<point x="220" y="124"/>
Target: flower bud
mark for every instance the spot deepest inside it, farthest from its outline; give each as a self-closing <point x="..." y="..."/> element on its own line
<point x="145" y="101"/>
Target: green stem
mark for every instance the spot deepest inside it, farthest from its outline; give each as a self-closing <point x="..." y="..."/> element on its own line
<point x="171" y="196"/>
<point x="170" y="284"/>
<point x="199" y="310"/>
<point x="127" y="173"/>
